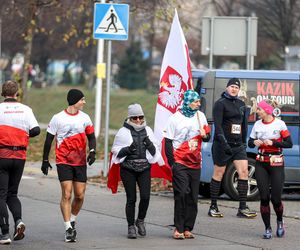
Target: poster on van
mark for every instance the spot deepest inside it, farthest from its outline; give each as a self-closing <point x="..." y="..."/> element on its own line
<point x="252" y="91"/>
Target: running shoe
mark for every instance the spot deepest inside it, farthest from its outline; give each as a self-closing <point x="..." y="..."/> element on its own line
<point x="280" y="229"/>
<point x="19" y="233"/>
<point x="214" y="212"/>
<point x="73" y="224"/>
<point x="5" y="239"/>
<point x="69" y="235"/>
<point x="177" y="235"/>
<point x="246" y="213"/>
<point x="268" y="233"/>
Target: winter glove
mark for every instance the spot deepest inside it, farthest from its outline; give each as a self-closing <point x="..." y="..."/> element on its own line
<point x="147" y="142"/>
<point x="132" y="147"/>
<point x="45" y="166"/>
<point x="227" y="149"/>
<point x="91" y="157"/>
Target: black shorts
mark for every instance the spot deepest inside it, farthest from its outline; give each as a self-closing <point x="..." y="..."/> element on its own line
<point x="220" y="158"/>
<point x="71" y="173"/>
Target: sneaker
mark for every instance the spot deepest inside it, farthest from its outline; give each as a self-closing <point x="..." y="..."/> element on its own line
<point x="5" y="239"/>
<point x="214" y="212"/>
<point x="19" y="233"/>
<point x="177" y="235"/>
<point x="280" y="229"/>
<point x="73" y="224"/>
<point x="69" y="235"/>
<point x="268" y="233"/>
<point x="140" y="224"/>
<point x="188" y="235"/>
<point x="246" y="213"/>
<point x="131" y="232"/>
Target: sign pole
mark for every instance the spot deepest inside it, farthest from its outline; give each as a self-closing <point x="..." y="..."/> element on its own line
<point x="98" y="100"/>
<point x="106" y="167"/>
<point x="110" y="23"/>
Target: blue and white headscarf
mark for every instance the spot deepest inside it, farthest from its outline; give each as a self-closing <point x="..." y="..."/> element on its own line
<point x="189" y="97"/>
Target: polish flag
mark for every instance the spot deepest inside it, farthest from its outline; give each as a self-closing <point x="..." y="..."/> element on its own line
<point x="175" y="77"/>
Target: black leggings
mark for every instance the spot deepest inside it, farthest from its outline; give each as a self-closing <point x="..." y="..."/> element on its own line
<point x="269" y="177"/>
<point x="11" y="171"/>
<point x="129" y="179"/>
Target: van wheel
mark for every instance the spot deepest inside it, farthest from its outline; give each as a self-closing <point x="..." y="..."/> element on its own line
<point x="204" y="189"/>
<point x="230" y="180"/>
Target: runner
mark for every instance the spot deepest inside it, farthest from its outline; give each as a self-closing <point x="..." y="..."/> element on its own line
<point x="229" y="144"/>
<point x="71" y="127"/>
<point x="17" y="124"/>
<point x="270" y="135"/>
<point x="186" y="130"/>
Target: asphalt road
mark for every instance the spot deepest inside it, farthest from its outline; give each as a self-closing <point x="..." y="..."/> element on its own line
<point x="102" y="223"/>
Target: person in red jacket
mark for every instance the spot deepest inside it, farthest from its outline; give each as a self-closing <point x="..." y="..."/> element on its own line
<point x="17" y="124"/>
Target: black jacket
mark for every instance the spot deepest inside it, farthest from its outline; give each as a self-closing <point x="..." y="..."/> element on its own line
<point x="139" y="151"/>
<point x="226" y="112"/>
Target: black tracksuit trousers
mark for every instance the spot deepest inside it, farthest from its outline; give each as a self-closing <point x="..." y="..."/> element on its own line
<point x="11" y="171"/>
<point x="186" y="189"/>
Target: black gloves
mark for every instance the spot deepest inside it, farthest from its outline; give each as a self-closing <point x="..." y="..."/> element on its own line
<point x="91" y="157"/>
<point x="45" y="166"/>
<point x="227" y="149"/>
<point x="147" y="142"/>
<point x="132" y="147"/>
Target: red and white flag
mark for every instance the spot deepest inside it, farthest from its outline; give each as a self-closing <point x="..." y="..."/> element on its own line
<point x="175" y="77"/>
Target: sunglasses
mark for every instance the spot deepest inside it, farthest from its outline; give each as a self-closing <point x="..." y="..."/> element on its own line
<point x="141" y="117"/>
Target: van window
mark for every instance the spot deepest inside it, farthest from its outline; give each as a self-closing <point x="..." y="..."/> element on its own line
<point x="285" y="92"/>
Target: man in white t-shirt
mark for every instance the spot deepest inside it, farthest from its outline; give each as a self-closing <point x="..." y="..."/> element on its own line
<point x="71" y="127"/>
<point x="17" y="124"/>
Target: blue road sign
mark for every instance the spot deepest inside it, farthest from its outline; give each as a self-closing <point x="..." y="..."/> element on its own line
<point x="111" y="21"/>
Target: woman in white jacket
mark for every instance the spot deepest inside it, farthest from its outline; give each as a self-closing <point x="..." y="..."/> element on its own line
<point x="135" y="148"/>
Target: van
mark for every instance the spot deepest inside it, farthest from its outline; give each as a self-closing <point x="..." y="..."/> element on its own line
<point x="256" y="85"/>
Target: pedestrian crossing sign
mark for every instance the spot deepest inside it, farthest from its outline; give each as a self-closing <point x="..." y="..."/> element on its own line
<point x="111" y="21"/>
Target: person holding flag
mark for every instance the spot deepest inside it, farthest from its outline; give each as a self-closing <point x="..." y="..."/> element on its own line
<point x="186" y="130"/>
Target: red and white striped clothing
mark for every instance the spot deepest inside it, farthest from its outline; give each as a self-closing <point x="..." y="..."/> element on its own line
<point x="70" y="131"/>
<point x="274" y="130"/>
<point x="185" y="135"/>
<point x="16" y="119"/>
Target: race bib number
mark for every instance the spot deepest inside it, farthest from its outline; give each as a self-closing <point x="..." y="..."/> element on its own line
<point x="276" y="161"/>
<point x="235" y="129"/>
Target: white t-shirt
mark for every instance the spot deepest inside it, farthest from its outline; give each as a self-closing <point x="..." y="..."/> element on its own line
<point x="181" y="128"/>
<point x="16" y="119"/>
<point x="274" y="130"/>
<point x="185" y="135"/>
<point x="70" y="131"/>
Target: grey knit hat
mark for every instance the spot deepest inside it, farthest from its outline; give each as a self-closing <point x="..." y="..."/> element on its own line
<point x="135" y="110"/>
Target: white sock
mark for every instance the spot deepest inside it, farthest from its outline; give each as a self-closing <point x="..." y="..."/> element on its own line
<point x="67" y="225"/>
<point x="73" y="217"/>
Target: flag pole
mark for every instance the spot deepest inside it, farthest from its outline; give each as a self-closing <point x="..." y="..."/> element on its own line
<point x="198" y="117"/>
